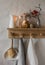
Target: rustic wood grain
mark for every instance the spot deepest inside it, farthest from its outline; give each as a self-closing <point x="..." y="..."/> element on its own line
<point x="26" y="32"/>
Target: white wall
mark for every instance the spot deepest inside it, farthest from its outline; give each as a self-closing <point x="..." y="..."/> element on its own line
<point x="17" y="7"/>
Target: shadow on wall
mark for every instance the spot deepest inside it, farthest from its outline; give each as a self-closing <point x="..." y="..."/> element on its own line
<point x="40" y="51"/>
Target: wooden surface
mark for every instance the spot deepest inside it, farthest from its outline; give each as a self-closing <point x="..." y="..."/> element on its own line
<point x="26" y="32"/>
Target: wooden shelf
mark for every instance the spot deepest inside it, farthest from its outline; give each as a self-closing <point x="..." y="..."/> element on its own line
<point x="26" y="32"/>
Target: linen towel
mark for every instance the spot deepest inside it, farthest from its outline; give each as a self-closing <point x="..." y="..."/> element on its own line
<point x="31" y="58"/>
<point x="21" y="60"/>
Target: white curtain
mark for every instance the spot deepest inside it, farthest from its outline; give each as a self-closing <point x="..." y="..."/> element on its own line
<point x="21" y="60"/>
<point x="31" y="58"/>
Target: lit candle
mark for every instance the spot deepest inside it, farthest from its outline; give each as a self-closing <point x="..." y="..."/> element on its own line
<point x="18" y="23"/>
<point x="24" y="23"/>
<point x="19" y="17"/>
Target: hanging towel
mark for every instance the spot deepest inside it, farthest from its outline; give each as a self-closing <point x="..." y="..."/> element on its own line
<point x="11" y="24"/>
<point x="31" y="58"/>
<point x="21" y="60"/>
